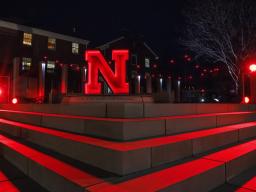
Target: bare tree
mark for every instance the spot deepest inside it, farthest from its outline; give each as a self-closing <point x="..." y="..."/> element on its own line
<point x="222" y="31"/>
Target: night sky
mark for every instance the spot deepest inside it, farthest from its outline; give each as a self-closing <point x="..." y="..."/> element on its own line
<point x="101" y="21"/>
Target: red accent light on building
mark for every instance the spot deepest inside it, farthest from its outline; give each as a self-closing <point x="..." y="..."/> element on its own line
<point x="246" y="100"/>
<point x="187" y="58"/>
<point x="155" y="66"/>
<point x="172" y="61"/>
<point x="252" y="68"/>
<point x="115" y="79"/>
<point x="197" y="66"/>
<point x="14" y="101"/>
<point x="216" y="69"/>
<point x="1" y="92"/>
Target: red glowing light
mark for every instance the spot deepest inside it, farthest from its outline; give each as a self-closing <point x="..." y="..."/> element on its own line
<point x="246" y="100"/>
<point x="216" y="69"/>
<point x="1" y="91"/>
<point x="14" y="101"/>
<point x="187" y="58"/>
<point x="116" y="80"/>
<point x="252" y="67"/>
<point x="172" y="61"/>
<point x="155" y="66"/>
<point x="197" y="66"/>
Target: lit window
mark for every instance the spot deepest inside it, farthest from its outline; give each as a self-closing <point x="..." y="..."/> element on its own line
<point x="51" y="43"/>
<point x="75" y="48"/>
<point x="27" y="39"/>
<point x="26" y="63"/>
<point x="147" y="62"/>
<point x="50" y="66"/>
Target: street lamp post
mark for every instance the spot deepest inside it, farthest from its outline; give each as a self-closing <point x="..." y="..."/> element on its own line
<point x="252" y="70"/>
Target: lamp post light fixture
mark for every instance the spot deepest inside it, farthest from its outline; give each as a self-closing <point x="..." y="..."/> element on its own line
<point x="252" y="68"/>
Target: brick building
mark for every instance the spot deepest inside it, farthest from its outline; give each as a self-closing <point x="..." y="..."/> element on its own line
<point x="43" y="65"/>
<point x="39" y="62"/>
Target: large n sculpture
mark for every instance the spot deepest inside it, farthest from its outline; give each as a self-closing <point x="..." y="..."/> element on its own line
<point x="116" y="79"/>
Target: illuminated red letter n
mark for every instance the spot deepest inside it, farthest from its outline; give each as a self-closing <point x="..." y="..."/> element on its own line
<point x="116" y="80"/>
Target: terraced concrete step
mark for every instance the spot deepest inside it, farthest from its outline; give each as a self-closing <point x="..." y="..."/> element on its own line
<point x="204" y="174"/>
<point x="129" y="157"/>
<point x="129" y="129"/>
<point x="246" y="180"/>
<point x="129" y="110"/>
<point x="231" y="188"/>
<point x="12" y="180"/>
<point x="52" y="174"/>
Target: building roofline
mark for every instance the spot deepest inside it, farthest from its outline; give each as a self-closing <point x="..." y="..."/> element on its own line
<point x="156" y="56"/>
<point x="106" y="45"/>
<point x="18" y="27"/>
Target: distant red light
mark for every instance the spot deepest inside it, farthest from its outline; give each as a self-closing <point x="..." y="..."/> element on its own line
<point x="197" y="66"/>
<point x="172" y="61"/>
<point x="216" y="69"/>
<point x="252" y="67"/>
<point x="246" y="100"/>
<point x="14" y="101"/>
